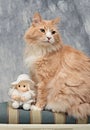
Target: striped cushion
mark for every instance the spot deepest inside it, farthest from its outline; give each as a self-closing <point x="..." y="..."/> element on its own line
<point x="20" y="116"/>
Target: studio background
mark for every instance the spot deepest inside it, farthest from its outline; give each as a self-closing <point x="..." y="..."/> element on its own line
<point x="15" y="18"/>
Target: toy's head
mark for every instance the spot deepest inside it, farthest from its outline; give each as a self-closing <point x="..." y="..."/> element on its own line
<point x="23" y="83"/>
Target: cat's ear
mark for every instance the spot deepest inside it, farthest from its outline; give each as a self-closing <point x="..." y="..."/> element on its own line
<point x="56" y="20"/>
<point x="36" y="19"/>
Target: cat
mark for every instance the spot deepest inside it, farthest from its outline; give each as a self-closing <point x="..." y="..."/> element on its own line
<point x="62" y="73"/>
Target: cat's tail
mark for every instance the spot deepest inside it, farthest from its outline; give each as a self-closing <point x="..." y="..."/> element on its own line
<point x="79" y="111"/>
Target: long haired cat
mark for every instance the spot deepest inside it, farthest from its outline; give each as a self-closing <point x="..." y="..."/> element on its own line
<point x="62" y="73"/>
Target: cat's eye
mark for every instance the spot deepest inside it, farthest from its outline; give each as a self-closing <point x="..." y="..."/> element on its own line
<point x="19" y="86"/>
<point x="24" y="86"/>
<point x="42" y="30"/>
<point x="53" y="32"/>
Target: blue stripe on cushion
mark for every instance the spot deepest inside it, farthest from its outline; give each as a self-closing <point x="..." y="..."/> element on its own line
<point x="24" y="116"/>
<point x="47" y="117"/>
<point x="70" y="120"/>
<point x="3" y="113"/>
<point x="88" y="120"/>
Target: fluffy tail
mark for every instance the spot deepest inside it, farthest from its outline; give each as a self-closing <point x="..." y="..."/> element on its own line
<point x="80" y="111"/>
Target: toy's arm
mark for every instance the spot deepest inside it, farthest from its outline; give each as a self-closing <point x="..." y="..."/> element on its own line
<point x="13" y="93"/>
<point x="28" y="96"/>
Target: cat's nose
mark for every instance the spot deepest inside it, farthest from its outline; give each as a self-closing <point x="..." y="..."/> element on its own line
<point x="48" y="38"/>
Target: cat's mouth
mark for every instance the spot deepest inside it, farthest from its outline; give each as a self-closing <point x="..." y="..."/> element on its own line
<point x="48" y="42"/>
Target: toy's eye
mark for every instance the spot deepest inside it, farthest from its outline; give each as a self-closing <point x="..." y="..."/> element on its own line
<point x="19" y="86"/>
<point x="42" y="30"/>
<point x="24" y="86"/>
<point x="53" y="32"/>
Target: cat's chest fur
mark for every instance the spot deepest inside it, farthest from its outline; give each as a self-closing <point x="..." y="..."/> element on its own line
<point x="30" y="60"/>
<point x="33" y="54"/>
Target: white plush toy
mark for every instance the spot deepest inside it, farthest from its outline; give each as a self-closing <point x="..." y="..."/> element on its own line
<point x="22" y="92"/>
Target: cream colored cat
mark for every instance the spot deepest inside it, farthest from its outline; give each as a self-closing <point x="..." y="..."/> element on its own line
<point x="61" y="72"/>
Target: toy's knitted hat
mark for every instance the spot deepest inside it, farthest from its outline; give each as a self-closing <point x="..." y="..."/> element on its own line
<point x="22" y="77"/>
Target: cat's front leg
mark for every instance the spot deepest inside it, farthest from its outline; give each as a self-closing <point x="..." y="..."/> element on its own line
<point x="41" y="97"/>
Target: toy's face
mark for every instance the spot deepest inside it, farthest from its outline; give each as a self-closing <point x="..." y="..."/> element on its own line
<point x="23" y="86"/>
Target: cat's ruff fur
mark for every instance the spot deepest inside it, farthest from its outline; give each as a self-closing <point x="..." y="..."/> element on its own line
<point x="62" y="73"/>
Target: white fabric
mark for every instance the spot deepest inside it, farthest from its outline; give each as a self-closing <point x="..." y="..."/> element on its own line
<point x="27" y="95"/>
<point x="22" y="77"/>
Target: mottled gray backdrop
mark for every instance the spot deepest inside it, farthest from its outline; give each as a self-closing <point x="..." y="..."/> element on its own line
<point x="15" y="18"/>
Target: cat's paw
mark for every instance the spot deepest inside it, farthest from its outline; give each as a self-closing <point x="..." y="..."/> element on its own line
<point x="36" y="108"/>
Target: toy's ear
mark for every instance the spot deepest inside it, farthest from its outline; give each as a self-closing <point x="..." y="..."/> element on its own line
<point x="13" y="85"/>
<point x="36" y="19"/>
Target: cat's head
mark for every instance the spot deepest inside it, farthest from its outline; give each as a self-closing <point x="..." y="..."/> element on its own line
<point x="43" y="32"/>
